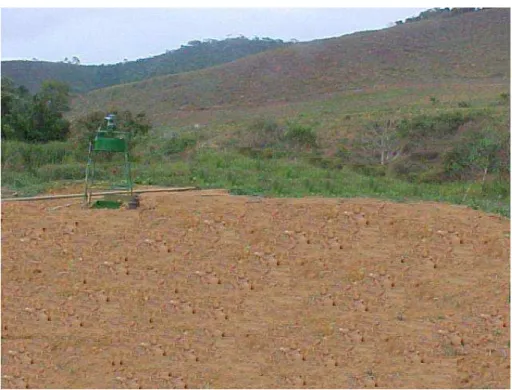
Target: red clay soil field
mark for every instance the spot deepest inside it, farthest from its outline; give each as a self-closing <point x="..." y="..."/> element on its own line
<point x="207" y="290"/>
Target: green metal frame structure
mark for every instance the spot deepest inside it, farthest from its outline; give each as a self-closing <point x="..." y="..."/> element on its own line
<point x="111" y="141"/>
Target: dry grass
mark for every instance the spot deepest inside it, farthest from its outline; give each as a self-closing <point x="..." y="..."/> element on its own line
<point x="471" y="49"/>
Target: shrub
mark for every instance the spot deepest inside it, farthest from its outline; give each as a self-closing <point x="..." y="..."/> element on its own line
<point x="178" y="144"/>
<point x="84" y="128"/>
<point x="478" y="151"/>
<point x="35" y="118"/>
<point x="326" y="163"/>
<point x="407" y="169"/>
<point x="433" y="175"/>
<point x="300" y="135"/>
<point x="425" y="126"/>
<point x="505" y="97"/>
<point x="263" y="133"/>
<point x="369" y="170"/>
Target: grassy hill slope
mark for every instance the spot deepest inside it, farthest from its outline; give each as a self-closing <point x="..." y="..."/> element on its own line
<point x="193" y="56"/>
<point x="443" y="83"/>
<point x="471" y="48"/>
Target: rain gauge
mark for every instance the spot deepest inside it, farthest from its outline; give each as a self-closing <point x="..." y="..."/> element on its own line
<point x="110" y="151"/>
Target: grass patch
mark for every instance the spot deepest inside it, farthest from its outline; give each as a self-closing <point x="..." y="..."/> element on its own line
<point x="274" y="177"/>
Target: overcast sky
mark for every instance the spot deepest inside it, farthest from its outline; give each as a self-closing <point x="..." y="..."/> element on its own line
<point x="102" y="35"/>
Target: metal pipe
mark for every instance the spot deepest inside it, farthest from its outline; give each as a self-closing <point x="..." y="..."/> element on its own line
<point x="67" y="196"/>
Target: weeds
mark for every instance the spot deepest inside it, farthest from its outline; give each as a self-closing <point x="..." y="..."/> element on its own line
<point x="271" y="177"/>
<point x="284" y="157"/>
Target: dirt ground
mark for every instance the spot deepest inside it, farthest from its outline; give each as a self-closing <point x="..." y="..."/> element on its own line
<point x="203" y="289"/>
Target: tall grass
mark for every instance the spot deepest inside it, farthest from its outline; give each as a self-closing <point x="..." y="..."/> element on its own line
<point x="284" y="177"/>
<point x="21" y="156"/>
<point x="241" y="174"/>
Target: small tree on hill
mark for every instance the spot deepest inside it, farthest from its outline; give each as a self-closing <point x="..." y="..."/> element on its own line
<point x="478" y="153"/>
<point x="379" y="141"/>
<point x="85" y="127"/>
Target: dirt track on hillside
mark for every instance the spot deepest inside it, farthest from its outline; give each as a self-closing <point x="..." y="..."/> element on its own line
<point x="218" y="291"/>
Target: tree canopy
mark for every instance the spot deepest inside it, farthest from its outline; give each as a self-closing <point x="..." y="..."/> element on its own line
<point x="436" y="13"/>
<point x="34" y="118"/>
<point x="194" y="55"/>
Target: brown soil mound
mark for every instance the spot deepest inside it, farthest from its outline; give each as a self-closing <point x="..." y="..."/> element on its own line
<point x="221" y="291"/>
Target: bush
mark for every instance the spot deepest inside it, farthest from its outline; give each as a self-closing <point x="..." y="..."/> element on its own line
<point x="463" y="104"/>
<point x="424" y="156"/>
<point x="370" y="170"/>
<point x="177" y="144"/>
<point x="505" y="98"/>
<point x="263" y="133"/>
<point x="425" y="126"/>
<point x="84" y="128"/>
<point x="35" y="118"/>
<point x="476" y="151"/>
<point x="406" y="168"/>
<point x="432" y="175"/>
<point x="300" y="135"/>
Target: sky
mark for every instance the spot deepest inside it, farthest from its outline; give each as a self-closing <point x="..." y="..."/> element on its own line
<point x="110" y="35"/>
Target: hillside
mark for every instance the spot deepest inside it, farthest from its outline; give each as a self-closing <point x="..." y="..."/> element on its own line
<point x="298" y="120"/>
<point x="471" y="48"/>
<point x="193" y="56"/>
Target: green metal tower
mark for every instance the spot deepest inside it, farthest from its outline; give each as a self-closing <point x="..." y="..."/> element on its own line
<point x="108" y="140"/>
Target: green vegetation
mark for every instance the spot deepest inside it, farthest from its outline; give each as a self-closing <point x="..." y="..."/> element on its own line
<point x="37" y="118"/>
<point x="245" y="175"/>
<point x="193" y="56"/>
<point x="457" y="157"/>
<point x="334" y="125"/>
<point x="84" y="128"/>
<point x="434" y="13"/>
<point x="356" y="72"/>
<point x="442" y="153"/>
<point x="300" y="135"/>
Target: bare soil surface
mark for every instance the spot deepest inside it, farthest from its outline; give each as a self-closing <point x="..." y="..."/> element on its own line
<point x="203" y="289"/>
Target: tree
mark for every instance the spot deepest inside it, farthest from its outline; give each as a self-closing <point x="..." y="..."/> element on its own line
<point x="47" y="123"/>
<point x="55" y="94"/>
<point x="37" y="118"/>
<point x="85" y="127"/>
<point x="194" y="43"/>
<point x="75" y="61"/>
<point x="49" y="106"/>
<point x="379" y="140"/>
<point x="16" y="110"/>
<point x="478" y="153"/>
